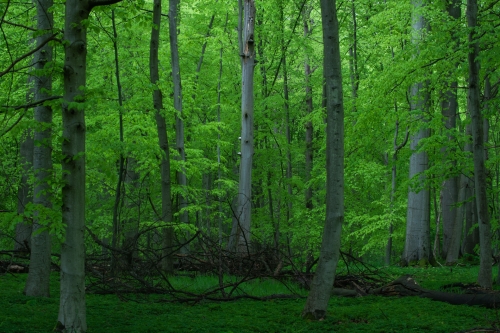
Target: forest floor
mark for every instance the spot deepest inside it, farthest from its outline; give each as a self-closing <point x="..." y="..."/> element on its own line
<point x="150" y="313"/>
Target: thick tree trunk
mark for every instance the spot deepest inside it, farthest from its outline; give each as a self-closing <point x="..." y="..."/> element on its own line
<point x="72" y="312"/>
<point x="417" y="244"/>
<point x="242" y="221"/>
<point x="161" y="125"/>
<point x="317" y="300"/>
<point x="72" y="317"/>
<point x="485" y="271"/>
<point x="38" y="281"/>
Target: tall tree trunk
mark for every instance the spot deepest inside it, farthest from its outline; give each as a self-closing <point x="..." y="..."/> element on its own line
<point x="321" y="287"/>
<point x="161" y="125"/>
<point x="449" y="192"/>
<point x="38" y="281"/>
<point x="242" y="222"/>
<point x="287" y="128"/>
<point x="485" y="272"/>
<point x="417" y="245"/>
<point x="309" y="109"/>
<point x="453" y="192"/>
<point x="115" y="238"/>
<point x="179" y="124"/>
<point x="72" y="312"/>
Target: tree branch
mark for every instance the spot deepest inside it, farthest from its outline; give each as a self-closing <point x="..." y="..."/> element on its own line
<point x="24" y="56"/>
<point x="96" y="3"/>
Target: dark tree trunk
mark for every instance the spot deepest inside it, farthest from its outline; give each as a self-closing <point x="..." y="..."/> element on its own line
<point x="321" y="287"/>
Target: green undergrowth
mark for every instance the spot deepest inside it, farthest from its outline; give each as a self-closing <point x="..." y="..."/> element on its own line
<point x="150" y="313"/>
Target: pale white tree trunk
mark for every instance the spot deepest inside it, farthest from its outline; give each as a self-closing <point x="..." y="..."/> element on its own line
<point x="38" y="281"/>
<point x="241" y="227"/>
<point x="321" y="287"/>
<point x="417" y="245"/>
<point x="485" y="271"/>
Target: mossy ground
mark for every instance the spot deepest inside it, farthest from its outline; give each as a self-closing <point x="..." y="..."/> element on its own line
<point x="110" y="313"/>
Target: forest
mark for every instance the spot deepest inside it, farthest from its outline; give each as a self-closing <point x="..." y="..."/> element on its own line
<point x="302" y="148"/>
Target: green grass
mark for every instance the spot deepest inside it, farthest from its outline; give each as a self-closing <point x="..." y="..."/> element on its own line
<point x="110" y="314"/>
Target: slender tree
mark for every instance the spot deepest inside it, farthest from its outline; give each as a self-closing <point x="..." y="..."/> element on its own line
<point x="452" y="224"/>
<point x="321" y="287"/>
<point x="161" y="125"/>
<point x="179" y="123"/>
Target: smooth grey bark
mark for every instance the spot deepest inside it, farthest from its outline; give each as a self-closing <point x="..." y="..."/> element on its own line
<point x="321" y="287"/>
<point x="161" y="125"/>
<point x="38" y="280"/>
<point x="72" y="312"/>
<point x="417" y="244"/>
<point x="485" y="271"/>
<point x="450" y="189"/>
<point x="22" y="238"/>
<point x="179" y="123"/>
<point x="240" y="232"/>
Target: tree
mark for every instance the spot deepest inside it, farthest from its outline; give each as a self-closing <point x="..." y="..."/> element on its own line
<point x="484" y="279"/>
<point x="179" y="123"/>
<point x="161" y="125"/>
<point x="72" y="312"/>
<point x="417" y="245"/>
<point x="240" y="234"/>
<point x="317" y="300"/>
<point x="452" y="223"/>
<point x="38" y="281"/>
